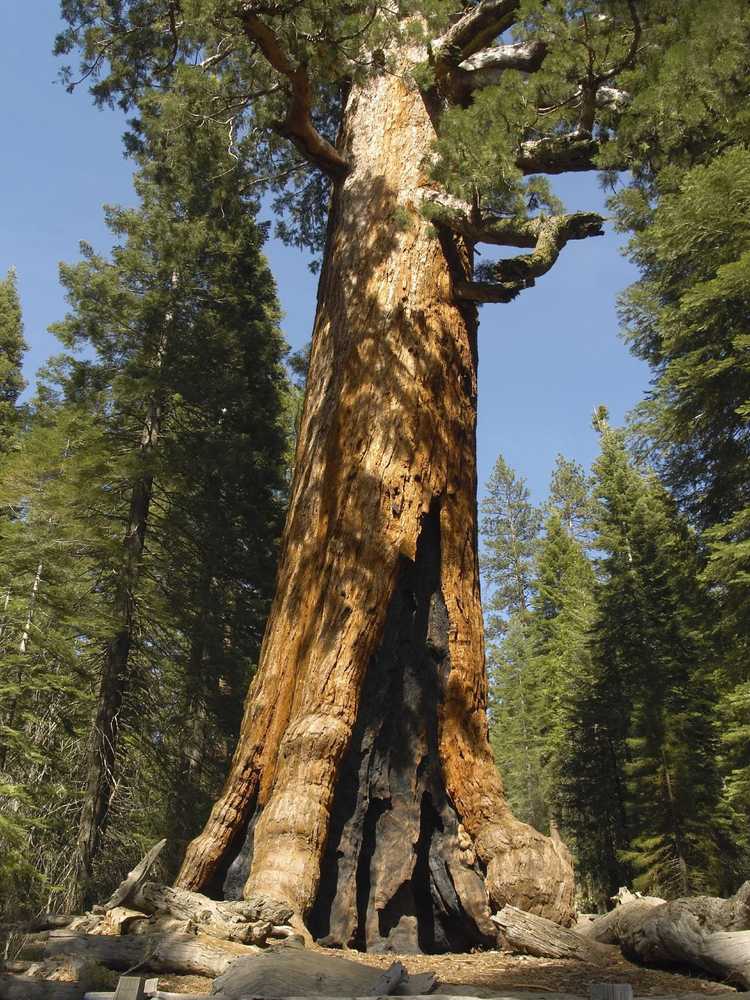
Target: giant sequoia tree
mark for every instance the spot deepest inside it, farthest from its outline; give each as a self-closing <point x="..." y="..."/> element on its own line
<point x="363" y="794"/>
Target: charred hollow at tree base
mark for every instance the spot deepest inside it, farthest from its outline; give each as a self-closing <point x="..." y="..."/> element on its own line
<point x="399" y="873"/>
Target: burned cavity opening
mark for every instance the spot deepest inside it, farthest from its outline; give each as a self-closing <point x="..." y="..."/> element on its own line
<point x="393" y="876"/>
<point x="228" y="881"/>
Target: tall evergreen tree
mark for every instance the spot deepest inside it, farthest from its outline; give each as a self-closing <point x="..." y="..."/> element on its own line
<point x="12" y="347"/>
<point x="510" y="526"/>
<point x="650" y="638"/>
<point x="188" y="372"/>
<point x="686" y="134"/>
<point x="563" y="613"/>
<point x="489" y="94"/>
<point x="570" y="497"/>
<point x="513" y="723"/>
<point x="51" y="583"/>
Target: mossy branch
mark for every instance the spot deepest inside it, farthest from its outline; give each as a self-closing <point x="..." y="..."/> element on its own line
<point x="509" y="277"/>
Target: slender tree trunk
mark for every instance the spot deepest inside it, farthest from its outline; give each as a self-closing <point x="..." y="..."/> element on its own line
<point x="100" y="770"/>
<point x="24" y="643"/>
<point x="363" y="792"/>
<point x="677" y="838"/>
<point x="6" y="602"/>
<point x="188" y="775"/>
<point x="22" y="647"/>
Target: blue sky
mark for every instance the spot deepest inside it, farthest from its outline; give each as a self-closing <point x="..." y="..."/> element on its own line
<point x="546" y="360"/>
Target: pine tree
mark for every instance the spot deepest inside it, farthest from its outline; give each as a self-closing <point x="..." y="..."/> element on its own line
<point x="52" y="606"/>
<point x="513" y="725"/>
<point x="570" y="497"/>
<point x="188" y="386"/>
<point x="12" y="347"/>
<point x="563" y="613"/>
<point x="685" y="317"/>
<point x="544" y="584"/>
<point x="510" y="526"/>
<point x="651" y="639"/>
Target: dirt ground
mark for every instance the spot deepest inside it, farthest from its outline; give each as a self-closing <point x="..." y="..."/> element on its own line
<point x="497" y="972"/>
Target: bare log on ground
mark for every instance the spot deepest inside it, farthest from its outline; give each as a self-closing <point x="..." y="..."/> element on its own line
<point x="159" y="995"/>
<point x="182" y="954"/>
<point x="532" y="935"/>
<point x="285" y="973"/>
<point x="45" y="922"/>
<point x="703" y="932"/>
<point x="231" y="921"/>
<point x="388" y="981"/>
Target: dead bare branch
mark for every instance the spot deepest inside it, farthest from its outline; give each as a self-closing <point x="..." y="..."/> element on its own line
<point x="486" y="67"/>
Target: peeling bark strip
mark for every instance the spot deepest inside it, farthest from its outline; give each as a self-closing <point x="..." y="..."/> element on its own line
<point x="387" y="437"/>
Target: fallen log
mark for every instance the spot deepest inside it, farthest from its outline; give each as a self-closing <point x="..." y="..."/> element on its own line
<point x="230" y="921"/>
<point x="630" y="911"/>
<point x="531" y="935"/>
<point x="703" y="932"/>
<point x="289" y="972"/>
<point x="14" y="965"/>
<point x="182" y="954"/>
<point x="44" y="922"/>
<point x="159" y="995"/>
<point x="387" y="981"/>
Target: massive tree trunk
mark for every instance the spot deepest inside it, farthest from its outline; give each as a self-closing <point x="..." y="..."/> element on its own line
<point x="363" y="791"/>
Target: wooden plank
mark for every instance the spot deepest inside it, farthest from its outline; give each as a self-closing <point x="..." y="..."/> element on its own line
<point x="131" y="988"/>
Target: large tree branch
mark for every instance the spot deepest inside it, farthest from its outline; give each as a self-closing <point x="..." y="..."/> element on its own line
<point x="558" y="154"/>
<point x="484" y="68"/>
<point x="467" y="221"/>
<point x="509" y="277"/>
<point x="474" y="29"/>
<point x="297" y="125"/>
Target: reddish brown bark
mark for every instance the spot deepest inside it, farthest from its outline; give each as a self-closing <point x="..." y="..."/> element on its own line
<point x="386" y="456"/>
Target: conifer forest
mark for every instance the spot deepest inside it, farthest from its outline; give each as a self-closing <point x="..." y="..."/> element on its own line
<point x="261" y="603"/>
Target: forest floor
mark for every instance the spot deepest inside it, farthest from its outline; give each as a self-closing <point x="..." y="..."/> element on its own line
<point x="499" y="972"/>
